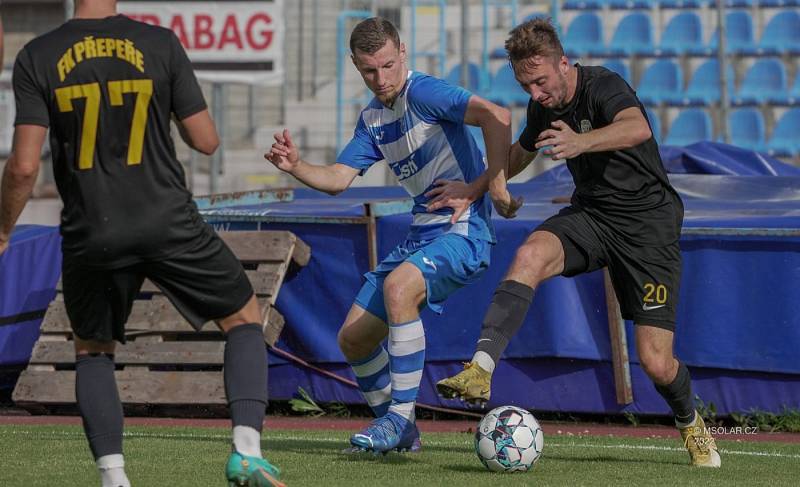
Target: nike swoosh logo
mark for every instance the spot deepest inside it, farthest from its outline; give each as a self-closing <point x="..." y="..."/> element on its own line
<point x="648" y="308"/>
<point x="485" y="340"/>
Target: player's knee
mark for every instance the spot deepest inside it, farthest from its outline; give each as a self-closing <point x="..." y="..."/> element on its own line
<point x="395" y="293"/>
<point x="659" y="367"/>
<point x="350" y="347"/>
<point x="535" y="261"/>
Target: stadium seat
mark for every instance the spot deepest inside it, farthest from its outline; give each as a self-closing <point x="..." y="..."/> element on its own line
<point x="584" y="36"/>
<point x="582" y="4"/>
<point x="633" y="36"/>
<point x="619" y="67"/>
<point x="738" y="3"/>
<point x="739" y="38"/>
<point x="655" y="124"/>
<point x="681" y="3"/>
<point x="662" y="82"/>
<point x="778" y="3"/>
<point x="746" y="127"/>
<point x="782" y="34"/>
<point x="631" y="4"/>
<point x="473" y="77"/>
<point x="784" y="141"/>
<point x="505" y="90"/>
<point x="690" y="126"/>
<point x="683" y="35"/>
<point x="764" y="82"/>
<point x="704" y="87"/>
<point x="498" y="53"/>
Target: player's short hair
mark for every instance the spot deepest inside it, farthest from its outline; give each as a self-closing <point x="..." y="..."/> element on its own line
<point x="537" y="37"/>
<point x="371" y="34"/>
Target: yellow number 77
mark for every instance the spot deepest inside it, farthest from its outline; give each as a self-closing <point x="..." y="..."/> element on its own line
<point x="91" y="114"/>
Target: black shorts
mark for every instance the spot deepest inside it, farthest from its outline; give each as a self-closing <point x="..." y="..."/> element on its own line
<point x="646" y="279"/>
<point x="205" y="283"/>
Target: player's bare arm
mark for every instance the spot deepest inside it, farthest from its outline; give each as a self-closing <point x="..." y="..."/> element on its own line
<point x="628" y="129"/>
<point x="19" y="177"/>
<point x="495" y="123"/>
<point x="199" y="132"/>
<point x="519" y="159"/>
<point x="331" y="179"/>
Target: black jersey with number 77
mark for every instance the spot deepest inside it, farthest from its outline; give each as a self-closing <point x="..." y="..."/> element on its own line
<point x="107" y="88"/>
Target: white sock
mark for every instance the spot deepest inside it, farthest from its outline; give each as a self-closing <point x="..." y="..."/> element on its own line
<point x="247" y="441"/>
<point x="484" y="360"/>
<point x="112" y="471"/>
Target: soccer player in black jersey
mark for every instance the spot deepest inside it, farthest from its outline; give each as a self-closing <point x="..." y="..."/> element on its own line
<point x="106" y="87"/>
<point x="624" y="215"/>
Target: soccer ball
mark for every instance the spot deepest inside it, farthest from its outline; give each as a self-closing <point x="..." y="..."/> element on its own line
<point x="509" y="439"/>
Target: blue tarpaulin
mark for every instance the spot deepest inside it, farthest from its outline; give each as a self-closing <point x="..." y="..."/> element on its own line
<point x="738" y="326"/>
<point x="29" y="270"/>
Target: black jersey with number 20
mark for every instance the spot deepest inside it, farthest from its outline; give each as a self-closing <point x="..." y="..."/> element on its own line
<point x="107" y="88"/>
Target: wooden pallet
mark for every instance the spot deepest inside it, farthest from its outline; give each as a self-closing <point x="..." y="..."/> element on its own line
<point x="164" y="362"/>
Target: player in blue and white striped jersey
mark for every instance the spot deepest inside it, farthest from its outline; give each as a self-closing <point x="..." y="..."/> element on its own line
<point x="418" y="125"/>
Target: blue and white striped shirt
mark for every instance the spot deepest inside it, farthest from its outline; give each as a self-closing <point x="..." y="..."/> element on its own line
<point x="423" y="138"/>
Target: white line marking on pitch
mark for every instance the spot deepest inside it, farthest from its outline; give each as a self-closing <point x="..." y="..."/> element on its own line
<point x="269" y="436"/>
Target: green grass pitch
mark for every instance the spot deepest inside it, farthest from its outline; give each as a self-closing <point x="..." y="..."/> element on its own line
<point x="176" y="456"/>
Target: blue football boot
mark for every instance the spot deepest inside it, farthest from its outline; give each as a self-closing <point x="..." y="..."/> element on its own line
<point x="389" y="432"/>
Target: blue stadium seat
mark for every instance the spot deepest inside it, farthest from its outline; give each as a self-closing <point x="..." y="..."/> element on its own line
<point x="631" y="4"/>
<point x="505" y="90"/>
<point x="634" y="36"/>
<point x="782" y="34"/>
<point x="655" y="124"/>
<point x="690" y="126"/>
<point x="680" y="3"/>
<point x="662" y="82"/>
<point x="584" y="36"/>
<point x="477" y="134"/>
<point x="738" y="3"/>
<point x="778" y="3"/>
<point x="582" y="4"/>
<point x="473" y="77"/>
<point x="704" y="87"/>
<point x="739" y="38"/>
<point x="683" y="35"/>
<point x="784" y="141"/>
<point x="619" y="67"/>
<point x="764" y="82"/>
<point x="746" y="127"/>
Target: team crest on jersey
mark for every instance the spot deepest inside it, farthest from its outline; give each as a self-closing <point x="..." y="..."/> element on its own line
<point x="586" y="126"/>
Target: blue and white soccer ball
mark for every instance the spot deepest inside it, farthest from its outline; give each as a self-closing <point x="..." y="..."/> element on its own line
<point x="509" y="439"/>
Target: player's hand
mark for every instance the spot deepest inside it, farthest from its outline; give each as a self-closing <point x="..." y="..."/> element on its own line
<point x="457" y="195"/>
<point x="3" y="245"/>
<point x="283" y="153"/>
<point x="506" y="205"/>
<point x="564" y="142"/>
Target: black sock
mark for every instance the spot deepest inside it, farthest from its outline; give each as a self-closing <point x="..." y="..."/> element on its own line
<point x="98" y="403"/>
<point x="505" y="315"/>
<point x="246" y="375"/>
<point x="678" y="395"/>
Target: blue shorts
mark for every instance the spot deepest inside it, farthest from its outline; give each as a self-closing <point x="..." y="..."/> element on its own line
<point x="448" y="262"/>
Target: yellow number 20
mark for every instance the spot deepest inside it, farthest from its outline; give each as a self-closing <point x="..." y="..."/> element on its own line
<point x="143" y="88"/>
